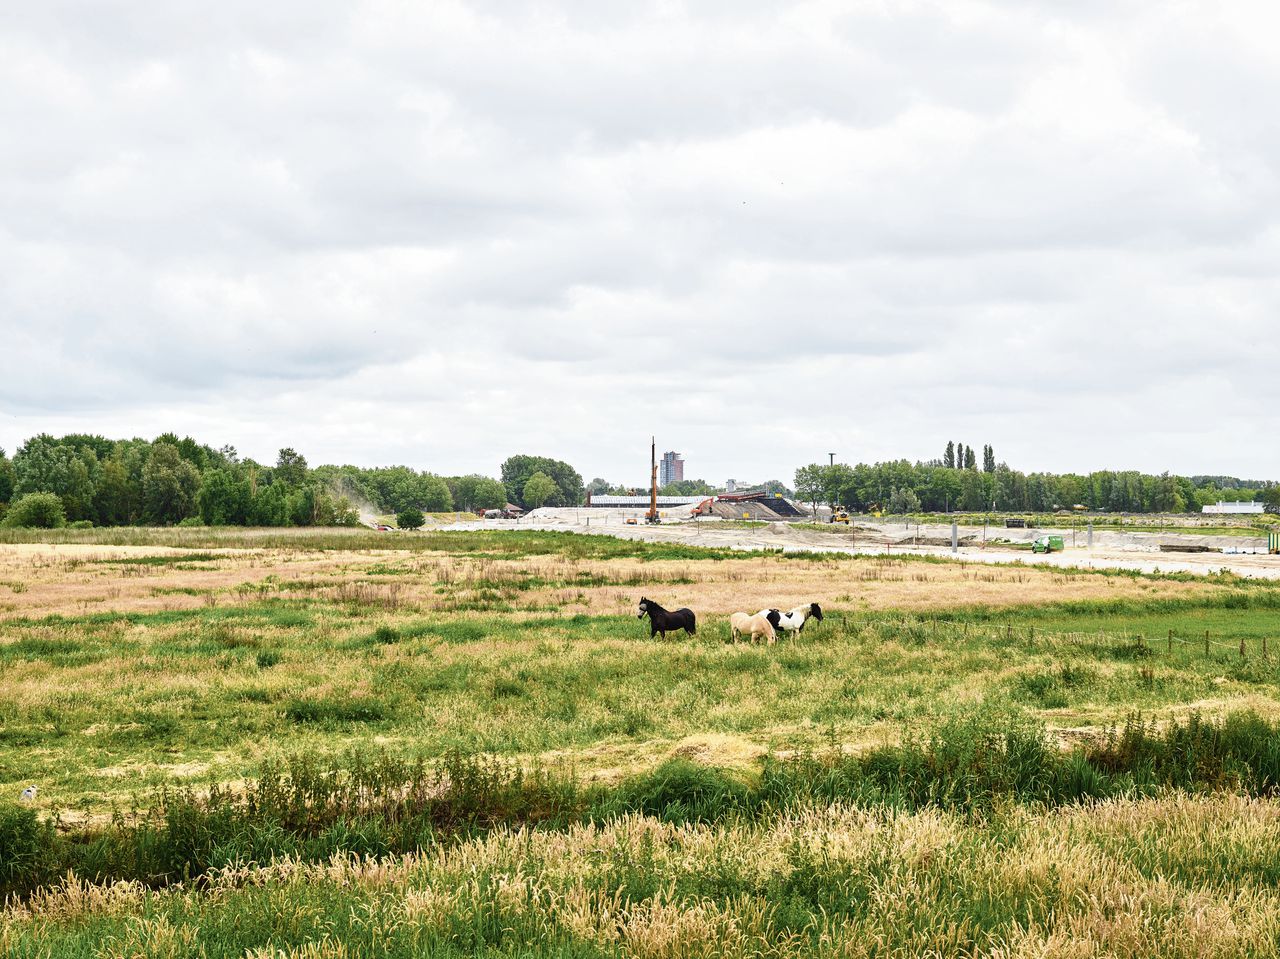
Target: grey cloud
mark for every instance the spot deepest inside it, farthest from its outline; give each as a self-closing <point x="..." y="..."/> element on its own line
<point x="391" y="232"/>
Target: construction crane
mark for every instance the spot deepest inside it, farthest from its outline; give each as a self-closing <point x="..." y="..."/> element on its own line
<point x="652" y="516"/>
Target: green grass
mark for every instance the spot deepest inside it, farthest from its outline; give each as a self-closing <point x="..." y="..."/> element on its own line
<point x="219" y="686"/>
<point x="896" y="781"/>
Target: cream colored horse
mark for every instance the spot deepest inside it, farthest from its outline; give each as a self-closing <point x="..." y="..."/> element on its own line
<point x="759" y="625"/>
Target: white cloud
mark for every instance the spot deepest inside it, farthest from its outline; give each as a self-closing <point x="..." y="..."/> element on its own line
<point x="439" y="234"/>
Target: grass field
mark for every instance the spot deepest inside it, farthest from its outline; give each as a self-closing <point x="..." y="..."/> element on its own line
<point x="134" y="663"/>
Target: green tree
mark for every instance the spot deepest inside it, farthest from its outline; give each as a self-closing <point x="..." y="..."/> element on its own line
<point x="291" y="467"/>
<point x="539" y="490"/>
<point x="169" y="486"/>
<point x="475" y="492"/>
<point x="690" y="487"/>
<point x="970" y="461"/>
<point x="270" y="505"/>
<point x="410" y="519"/>
<point x="115" y="499"/>
<point x="904" y="501"/>
<point x="988" y="459"/>
<point x="6" y="478"/>
<point x="949" y="455"/>
<point x="517" y="469"/>
<point x="46" y="465"/>
<point x="810" y="484"/>
<point x="488" y="494"/>
<point x="1271" y="497"/>
<point x="224" y="499"/>
<point x="38" y="510"/>
<point x="599" y="486"/>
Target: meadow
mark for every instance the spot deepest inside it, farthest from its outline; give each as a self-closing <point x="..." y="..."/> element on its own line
<point x="341" y="743"/>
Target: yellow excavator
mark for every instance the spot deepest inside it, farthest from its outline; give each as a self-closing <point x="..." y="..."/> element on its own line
<point x="839" y="515"/>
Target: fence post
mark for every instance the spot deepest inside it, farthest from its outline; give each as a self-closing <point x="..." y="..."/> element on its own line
<point x="1264" y="645"/>
<point x="1206" y="642"/>
<point x="1242" y="655"/>
<point x="1169" y="644"/>
<point x="1008" y="633"/>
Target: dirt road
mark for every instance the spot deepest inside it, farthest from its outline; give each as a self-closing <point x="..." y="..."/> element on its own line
<point x="1135" y="551"/>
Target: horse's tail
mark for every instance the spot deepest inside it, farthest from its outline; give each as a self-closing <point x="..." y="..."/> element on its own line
<point x="693" y="624"/>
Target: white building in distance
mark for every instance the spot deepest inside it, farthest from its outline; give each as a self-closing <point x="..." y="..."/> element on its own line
<point x="1234" y="508"/>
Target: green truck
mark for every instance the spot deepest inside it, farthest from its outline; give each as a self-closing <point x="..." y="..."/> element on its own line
<point x="1047" y="544"/>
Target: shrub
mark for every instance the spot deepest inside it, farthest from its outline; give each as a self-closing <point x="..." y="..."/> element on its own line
<point x="29" y="850"/>
<point x="191" y="521"/>
<point x="410" y="519"/>
<point x="681" y="791"/>
<point x="37" y="510"/>
<point x="81" y="524"/>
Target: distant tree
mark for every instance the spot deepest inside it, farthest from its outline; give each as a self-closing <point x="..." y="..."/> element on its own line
<point x="810" y="484"/>
<point x="777" y="486"/>
<point x="291" y="467"/>
<point x="973" y="491"/>
<point x="38" y="510"/>
<point x="6" y="478"/>
<point x="270" y="505"/>
<point x="959" y="455"/>
<point x="1271" y="498"/>
<point x="46" y="465"/>
<point x="224" y="499"/>
<point x="690" y="487"/>
<point x="539" y="490"/>
<point x="949" y="456"/>
<point x="489" y="494"/>
<point x="116" y="500"/>
<point x="970" y="461"/>
<point x="476" y="492"/>
<point x="169" y="486"/>
<point x="410" y="519"/>
<point x="599" y="486"/>
<point x="988" y="459"/>
<point x="517" y="469"/>
<point x="904" y="501"/>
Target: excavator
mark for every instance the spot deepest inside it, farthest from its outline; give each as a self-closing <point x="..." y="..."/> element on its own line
<point x="839" y="515"/>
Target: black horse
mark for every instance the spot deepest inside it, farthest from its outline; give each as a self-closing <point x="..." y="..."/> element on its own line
<point x="662" y="621"/>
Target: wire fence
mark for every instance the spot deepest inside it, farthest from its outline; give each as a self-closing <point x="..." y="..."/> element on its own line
<point x="939" y="629"/>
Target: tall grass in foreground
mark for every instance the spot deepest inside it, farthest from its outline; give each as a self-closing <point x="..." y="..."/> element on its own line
<point x="1176" y="877"/>
<point x="377" y="806"/>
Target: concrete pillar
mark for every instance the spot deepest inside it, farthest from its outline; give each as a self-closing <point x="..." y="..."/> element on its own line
<point x="955" y="537"/>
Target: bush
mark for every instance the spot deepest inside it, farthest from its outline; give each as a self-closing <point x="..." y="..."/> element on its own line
<point x="410" y="519"/>
<point x="37" y="510"/>
<point x="191" y="521"/>
<point x="681" y="791"/>
<point x="81" y="524"/>
<point x="29" y="850"/>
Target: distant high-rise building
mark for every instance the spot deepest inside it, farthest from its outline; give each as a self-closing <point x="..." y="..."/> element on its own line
<point x="731" y="486"/>
<point x="670" y="469"/>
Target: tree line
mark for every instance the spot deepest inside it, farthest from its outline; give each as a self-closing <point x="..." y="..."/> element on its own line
<point x="88" y="480"/>
<point x="959" y="481"/>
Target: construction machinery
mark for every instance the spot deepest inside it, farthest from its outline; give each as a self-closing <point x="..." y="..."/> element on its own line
<point x="839" y="515"/>
<point x="652" y="517"/>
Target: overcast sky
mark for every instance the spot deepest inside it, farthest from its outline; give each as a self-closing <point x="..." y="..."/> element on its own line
<point x="439" y="233"/>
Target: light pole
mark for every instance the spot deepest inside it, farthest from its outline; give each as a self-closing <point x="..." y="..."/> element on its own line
<point x="833" y="458"/>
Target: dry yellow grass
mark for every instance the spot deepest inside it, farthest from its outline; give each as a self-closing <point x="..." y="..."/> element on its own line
<point x="73" y="580"/>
